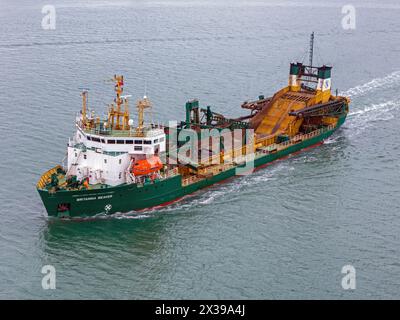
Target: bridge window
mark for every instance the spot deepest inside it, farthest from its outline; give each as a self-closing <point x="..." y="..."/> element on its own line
<point x="89" y="138"/>
<point x="120" y="141"/>
<point x="138" y="148"/>
<point x="95" y="139"/>
<point x="129" y="141"/>
<point x="147" y="141"/>
<point x="111" y="141"/>
<point x="138" y="141"/>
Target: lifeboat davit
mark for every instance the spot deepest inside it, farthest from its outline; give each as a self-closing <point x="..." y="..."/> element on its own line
<point x="147" y="166"/>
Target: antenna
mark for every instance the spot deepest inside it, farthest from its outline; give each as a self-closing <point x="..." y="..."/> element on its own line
<point x="311" y="49"/>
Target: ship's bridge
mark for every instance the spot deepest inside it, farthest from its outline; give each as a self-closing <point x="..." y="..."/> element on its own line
<point x="117" y="133"/>
<point x="152" y="140"/>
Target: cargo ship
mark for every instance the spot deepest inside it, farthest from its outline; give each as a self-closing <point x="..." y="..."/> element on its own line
<point x="120" y="165"/>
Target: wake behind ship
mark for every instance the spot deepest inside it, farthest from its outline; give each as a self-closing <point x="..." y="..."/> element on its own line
<point x="115" y="165"/>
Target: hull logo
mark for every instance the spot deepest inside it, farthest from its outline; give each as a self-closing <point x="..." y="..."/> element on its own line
<point x="108" y="207"/>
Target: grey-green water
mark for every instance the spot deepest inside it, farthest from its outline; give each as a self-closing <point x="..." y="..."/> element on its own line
<point x="285" y="231"/>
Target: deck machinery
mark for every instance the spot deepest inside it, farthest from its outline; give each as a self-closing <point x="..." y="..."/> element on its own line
<point x="115" y="166"/>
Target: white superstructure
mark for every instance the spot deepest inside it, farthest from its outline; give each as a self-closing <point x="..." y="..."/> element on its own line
<point x="104" y="151"/>
<point x="106" y="159"/>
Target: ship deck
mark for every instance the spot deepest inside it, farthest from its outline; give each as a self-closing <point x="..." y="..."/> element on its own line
<point x="62" y="184"/>
<point x="45" y="181"/>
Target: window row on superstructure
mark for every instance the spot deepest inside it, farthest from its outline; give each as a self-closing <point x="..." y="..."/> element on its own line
<point x="123" y="141"/>
<point x="136" y="141"/>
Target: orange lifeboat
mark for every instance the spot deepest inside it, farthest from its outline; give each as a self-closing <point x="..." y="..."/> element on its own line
<point x="147" y="166"/>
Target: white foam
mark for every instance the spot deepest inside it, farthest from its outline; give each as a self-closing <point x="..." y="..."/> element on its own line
<point x="367" y="117"/>
<point x="378" y="83"/>
<point x="382" y="107"/>
<point x="331" y="140"/>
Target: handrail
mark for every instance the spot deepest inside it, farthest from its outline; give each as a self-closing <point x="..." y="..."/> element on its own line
<point x="121" y="133"/>
<point x="301" y="137"/>
<point x="231" y="153"/>
<point x="172" y="173"/>
<point x="275" y="146"/>
<point x="278" y="146"/>
<point x="190" y="180"/>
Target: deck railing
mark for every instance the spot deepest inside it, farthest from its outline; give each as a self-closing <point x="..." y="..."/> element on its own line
<point x="301" y="137"/>
<point x="238" y="153"/>
<point x="122" y="133"/>
<point x="190" y="180"/>
<point x="172" y="173"/>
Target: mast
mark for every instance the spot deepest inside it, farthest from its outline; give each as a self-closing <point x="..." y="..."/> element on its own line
<point x="125" y="125"/>
<point x="311" y="49"/>
<point x="141" y="106"/>
<point x="310" y="75"/>
<point x="119" y="83"/>
<point x="84" y="95"/>
<point x="115" y="114"/>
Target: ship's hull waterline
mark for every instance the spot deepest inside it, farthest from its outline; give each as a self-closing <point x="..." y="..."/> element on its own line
<point x="130" y="197"/>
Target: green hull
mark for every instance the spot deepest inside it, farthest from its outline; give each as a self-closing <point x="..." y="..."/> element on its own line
<point x="130" y="197"/>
